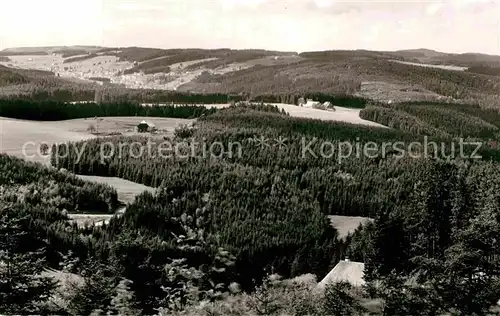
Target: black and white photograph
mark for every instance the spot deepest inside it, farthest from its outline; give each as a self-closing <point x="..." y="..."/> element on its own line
<point x="250" y="157"/>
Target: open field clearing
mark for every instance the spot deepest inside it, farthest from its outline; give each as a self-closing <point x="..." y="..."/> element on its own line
<point x="445" y="67"/>
<point x="347" y="224"/>
<point x="16" y="134"/>
<point x="340" y="114"/>
<point x="393" y="92"/>
<point x="120" y="124"/>
<point x="83" y="220"/>
<point x="127" y="190"/>
<point x="22" y="138"/>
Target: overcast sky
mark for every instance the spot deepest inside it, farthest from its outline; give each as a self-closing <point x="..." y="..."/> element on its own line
<point x="288" y="25"/>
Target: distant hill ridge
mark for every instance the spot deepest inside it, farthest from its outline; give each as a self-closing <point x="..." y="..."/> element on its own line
<point x="272" y="75"/>
<point x="419" y="51"/>
<point x="48" y="48"/>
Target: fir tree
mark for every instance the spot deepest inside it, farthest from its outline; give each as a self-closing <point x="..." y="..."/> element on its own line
<point x="122" y="302"/>
<point x="22" y="289"/>
<point x="338" y="300"/>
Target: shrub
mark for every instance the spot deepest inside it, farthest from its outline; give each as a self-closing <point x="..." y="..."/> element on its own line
<point x="184" y="131"/>
<point x="319" y="106"/>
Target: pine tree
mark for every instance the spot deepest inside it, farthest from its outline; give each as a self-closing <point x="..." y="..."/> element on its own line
<point x="96" y="292"/>
<point x="403" y="297"/>
<point x="22" y="289"/>
<point x="471" y="282"/>
<point x="265" y="300"/>
<point x="339" y="302"/>
<point x="122" y="302"/>
<point x="187" y="284"/>
<point x="388" y="248"/>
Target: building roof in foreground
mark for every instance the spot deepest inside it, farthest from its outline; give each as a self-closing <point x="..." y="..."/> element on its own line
<point x="146" y="123"/>
<point x="348" y="271"/>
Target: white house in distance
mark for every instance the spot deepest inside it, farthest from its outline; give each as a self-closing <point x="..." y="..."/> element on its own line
<point x="144" y="126"/>
<point x="309" y="103"/>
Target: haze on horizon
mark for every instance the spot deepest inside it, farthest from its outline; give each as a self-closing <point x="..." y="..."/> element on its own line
<point x="455" y="26"/>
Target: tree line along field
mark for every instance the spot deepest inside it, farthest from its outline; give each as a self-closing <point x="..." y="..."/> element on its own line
<point x="54" y="110"/>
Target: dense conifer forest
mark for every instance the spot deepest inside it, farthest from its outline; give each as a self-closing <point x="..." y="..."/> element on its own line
<point x="41" y="185"/>
<point x="237" y="218"/>
<point x="454" y="120"/>
<point x="244" y="195"/>
<point x="54" y="111"/>
<point x="35" y="232"/>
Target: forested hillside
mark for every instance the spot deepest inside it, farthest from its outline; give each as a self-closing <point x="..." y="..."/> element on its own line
<point x="438" y="119"/>
<point x="39" y="185"/>
<point x="35" y="232"/>
<point x="42" y="85"/>
<point x="230" y="197"/>
<point x="347" y="75"/>
<point x="439" y="247"/>
<point x="159" y="63"/>
<point x="257" y="73"/>
<point x="243" y="196"/>
<point x="53" y="110"/>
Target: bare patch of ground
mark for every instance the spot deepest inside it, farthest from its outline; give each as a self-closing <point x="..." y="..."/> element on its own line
<point x="23" y="138"/>
<point x="394" y="92"/>
<point x="347" y="224"/>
